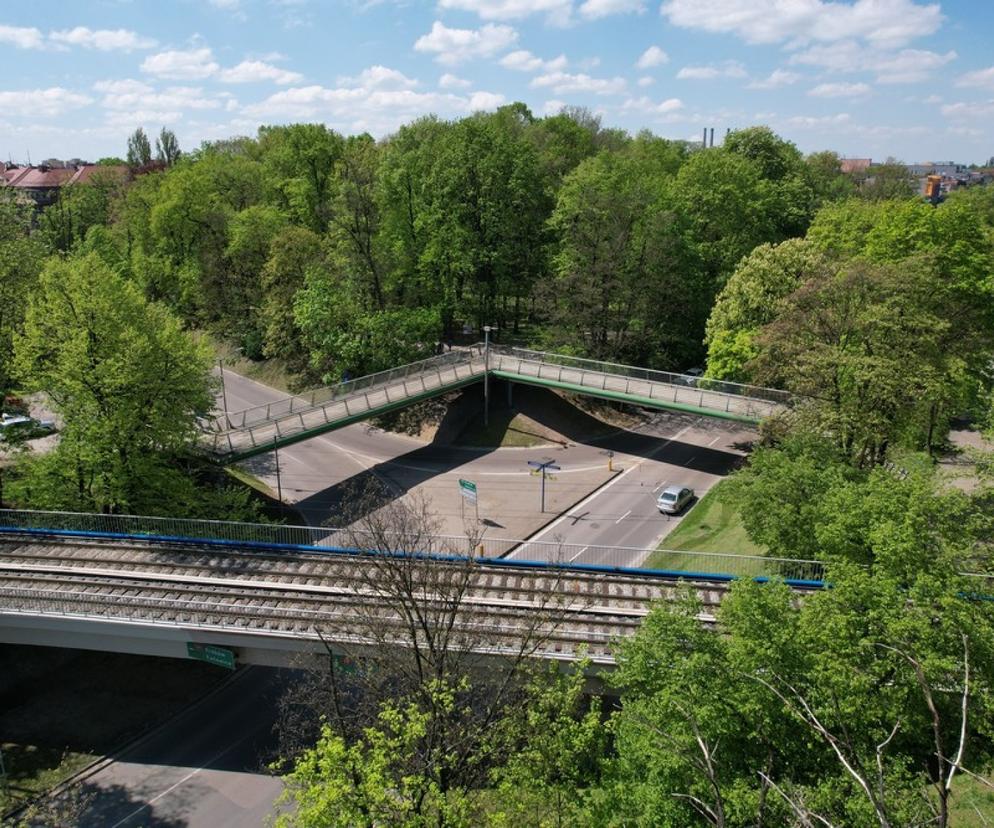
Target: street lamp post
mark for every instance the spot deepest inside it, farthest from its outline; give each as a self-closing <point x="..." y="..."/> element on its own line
<point x="486" y="373"/>
<point x="224" y="394"/>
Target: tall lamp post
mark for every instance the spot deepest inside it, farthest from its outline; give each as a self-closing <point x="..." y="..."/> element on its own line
<point x="486" y="373"/>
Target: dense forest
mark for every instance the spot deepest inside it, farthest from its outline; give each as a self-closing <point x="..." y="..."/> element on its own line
<point x="869" y="703"/>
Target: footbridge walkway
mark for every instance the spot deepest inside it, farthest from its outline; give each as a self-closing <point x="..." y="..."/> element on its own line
<point x="240" y="434"/>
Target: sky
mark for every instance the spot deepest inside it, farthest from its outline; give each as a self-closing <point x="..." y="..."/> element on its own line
<point x="867" y="78"/>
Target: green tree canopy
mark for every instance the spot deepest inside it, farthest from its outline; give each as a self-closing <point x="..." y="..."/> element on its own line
<point x="125" y="379"/>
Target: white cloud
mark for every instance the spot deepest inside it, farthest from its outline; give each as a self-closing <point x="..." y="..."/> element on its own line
<point x="884" y="23"/>
<point x="193" y="64"/>
<point x="557" y="11"/>
<point x="644" y="104"/>
<point x="653" y="56"/>
<point x="42" y="102"/>
<point x="450" y="81"/>
<point x="978" y="77"/>
<point x="379" y="77"/>
<point x="131" y="118"/>
<point x="971" y="109"/>
<point x="256" y="71"/>
<point x="813" y="121"/>
<point x="524" y="61"/>
<point x="485" y="100"/>
<point x="645" y="80"/>
<point x="562" y="83"/>
<point x="776" y="79"/>
<point x="104" y="40"/>
<point x="553" y="107"/>
<point x="172" y="98"/>
<point x="452" y="46"/>
<point x="728" y="69"/>
<point x="21" y="37"/>
<point x="126" y="86"/>
<point x="904" y="66"/>
<point x="595" y="9"/>
<point x="840" y="90"/>
<point x="226" y="5"/>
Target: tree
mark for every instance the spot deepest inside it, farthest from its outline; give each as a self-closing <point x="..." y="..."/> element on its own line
<point x="415" y="724"/>
<point x="126" y="380"/>
<point x="299" y="163"/>
<point x="622" y="287"/>
<point x="754" y="296"/>
<point x="21" y="256"/>
<point x="885" y="182"/>
<point x="866" y="347"/>
<point x="139" y="149"/>
<point x="729" y="209"/>
<point x="167" y="147"/>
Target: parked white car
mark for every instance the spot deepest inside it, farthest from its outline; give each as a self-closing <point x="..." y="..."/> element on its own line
<point x="674" y="499"/>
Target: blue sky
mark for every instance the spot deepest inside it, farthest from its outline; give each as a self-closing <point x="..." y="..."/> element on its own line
<point x="904" y="78"/>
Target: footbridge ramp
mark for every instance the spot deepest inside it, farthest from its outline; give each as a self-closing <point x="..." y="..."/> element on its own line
<point x="240" y="434"/>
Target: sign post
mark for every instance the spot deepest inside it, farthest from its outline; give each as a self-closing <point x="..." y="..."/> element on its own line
<point x="221" y="656"/>
<point x="467" y="488"/>
<point x="543" y="468"/>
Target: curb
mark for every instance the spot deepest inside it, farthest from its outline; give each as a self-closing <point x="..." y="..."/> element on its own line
<point x="568" y="509"/>
<point x="98" y="765"/>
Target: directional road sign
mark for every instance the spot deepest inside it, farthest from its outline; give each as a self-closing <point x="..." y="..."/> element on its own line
<point x="468" y="490"/>
<point x="221" y="656"/>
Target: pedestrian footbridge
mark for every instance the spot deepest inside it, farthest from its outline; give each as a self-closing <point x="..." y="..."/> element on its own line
<point x="236" y="435"/>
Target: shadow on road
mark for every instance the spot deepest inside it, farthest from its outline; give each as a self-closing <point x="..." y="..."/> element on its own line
<point x="391" y="479"/>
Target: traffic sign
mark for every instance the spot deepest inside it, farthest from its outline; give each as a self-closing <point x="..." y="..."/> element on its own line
<point x="468" y="490"/>
<point x="221" y="656"/>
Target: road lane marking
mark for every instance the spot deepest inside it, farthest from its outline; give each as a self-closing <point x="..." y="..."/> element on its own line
<point x="659" y="486"/>
<point x="715" y="440"/>
<point x="691" y="460"/>
<point x="604" y="488"/>
<point x="626" y="514"/>
<point x="185" y="779"/>
<point x="578" y="554"/>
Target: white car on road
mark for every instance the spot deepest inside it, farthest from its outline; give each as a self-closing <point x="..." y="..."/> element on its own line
<point x="674" y="499"/>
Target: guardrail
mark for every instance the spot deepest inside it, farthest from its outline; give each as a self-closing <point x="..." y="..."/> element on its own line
<point x="320" y="397"/>
<point x="649" y="374"/>
<point x="640" y="384"/>
<point x="496" y="551"/>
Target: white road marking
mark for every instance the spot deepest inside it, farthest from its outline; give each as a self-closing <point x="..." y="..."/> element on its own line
<point x="604" y="488"/>
<point x="173" y="787"/>
<point x="691" y="460"/>
<point x="578" y="554"/>
<point x="626" y="514"/>
<point x="659" y="486"/>
<point x="715" y="440"/>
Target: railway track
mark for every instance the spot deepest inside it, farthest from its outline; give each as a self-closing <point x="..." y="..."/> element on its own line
<point x="300" y="594"/>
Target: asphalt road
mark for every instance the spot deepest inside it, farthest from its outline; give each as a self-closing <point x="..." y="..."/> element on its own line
<point x="672" y="449"/>
<point x="201" y="770"/>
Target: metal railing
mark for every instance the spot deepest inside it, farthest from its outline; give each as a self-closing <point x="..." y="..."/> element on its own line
<point x="319" y="397"/>
<point x="497" y="551"/>
<point x="252" y="429"/>
<point x="662" y="387"/>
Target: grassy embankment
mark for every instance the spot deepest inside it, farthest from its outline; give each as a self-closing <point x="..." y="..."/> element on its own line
<point x="712" y="525"/>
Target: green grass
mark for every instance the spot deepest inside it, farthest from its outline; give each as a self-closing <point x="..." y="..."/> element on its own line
<point x="969" y="797"/>
<point x="36" y="769"/>
<point x="271" y="372"/>
<point x="712" y="525"/>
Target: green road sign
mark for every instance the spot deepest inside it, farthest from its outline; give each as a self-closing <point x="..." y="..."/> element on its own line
<point x="468" y="490"/>
<point x="221" y="656"/>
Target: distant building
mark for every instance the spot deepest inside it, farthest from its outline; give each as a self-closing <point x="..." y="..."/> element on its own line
<point x="854" y="165"/>
<point x="42" y="184"/>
